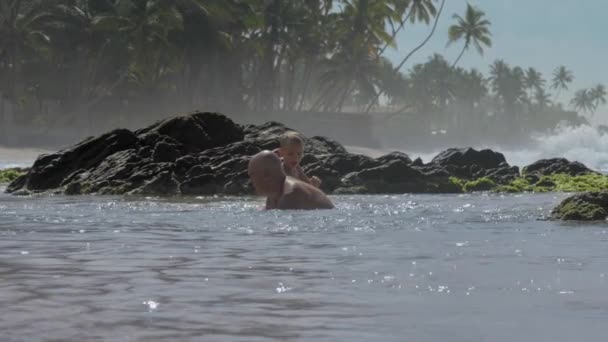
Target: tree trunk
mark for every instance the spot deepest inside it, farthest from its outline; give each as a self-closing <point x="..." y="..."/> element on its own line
<point x="459" y="56"/>
<point x="396" y="70"/>
<point x="266" y="91"/>
<point x="347" y="90"/>
<point x="303" y="93"/>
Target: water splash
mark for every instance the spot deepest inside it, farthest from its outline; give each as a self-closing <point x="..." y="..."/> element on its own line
<point x="282" y="288"/>
<point x="584" y="144"/>
<point x="152" y="305"/>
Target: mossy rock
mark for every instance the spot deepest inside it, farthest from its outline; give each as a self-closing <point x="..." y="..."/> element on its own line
<point x="481" y="184"/>
<point x="586" y="182"/>
<point x="545" y="182"/>
<point x="9" y="175"/>
<point x="557" y="183"/>
<point x="589" y="206"/>
<point x="457" y="182"/>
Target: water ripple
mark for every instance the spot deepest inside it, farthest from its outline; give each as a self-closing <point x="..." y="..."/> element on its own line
<point x="390" y="268"/>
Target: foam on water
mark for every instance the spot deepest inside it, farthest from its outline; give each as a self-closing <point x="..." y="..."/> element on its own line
<point x="584" y="144"/>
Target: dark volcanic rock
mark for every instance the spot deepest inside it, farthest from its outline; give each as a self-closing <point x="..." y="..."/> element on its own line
<point x="154" y="160"/>
<point x="332" y="167"/>
<point x="162" y="184"/>
<point x="323" y="145"/>
<point x="397" y="176"/>
<point x="346" y="163"/>
<point x="166" y="152"/>
<point x="265" y="136"/>
<point x="49" y="171"/>
<point x="547" y="167"/>
<point x="589" y="206"/>
<point x="17" y="185"/>
<point x="206" y="184"/>
<point x="208" y="154"/>
<point x="196" y="132"/>
<point x="395" y="155"/>
<point x="470" y="164"/>
<point x="466" y="157"/>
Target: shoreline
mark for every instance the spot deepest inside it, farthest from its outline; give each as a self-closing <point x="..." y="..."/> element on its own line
<point x="206" y="153"/>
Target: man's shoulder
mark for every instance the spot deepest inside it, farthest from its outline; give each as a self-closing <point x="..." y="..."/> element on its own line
<point x="299" y="186"/>
<point x="294" y="187"/>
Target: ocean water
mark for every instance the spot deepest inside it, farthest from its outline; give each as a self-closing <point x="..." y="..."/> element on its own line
<point x="18" y="157"/>
<point x="476" y="267"/>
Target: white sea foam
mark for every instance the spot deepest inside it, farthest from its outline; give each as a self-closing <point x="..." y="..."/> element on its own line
<point x="584" y="144"/>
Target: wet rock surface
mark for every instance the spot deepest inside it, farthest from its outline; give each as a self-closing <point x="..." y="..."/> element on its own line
<point x="207" y="154"/>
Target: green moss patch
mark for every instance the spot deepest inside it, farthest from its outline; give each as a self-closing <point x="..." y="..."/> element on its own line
<point x="9" y="175"/>
<point x="553" y="183"/>
<point x="481" y="184"/>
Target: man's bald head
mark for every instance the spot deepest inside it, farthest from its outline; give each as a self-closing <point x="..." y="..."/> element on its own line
<point x="266" y="173"/>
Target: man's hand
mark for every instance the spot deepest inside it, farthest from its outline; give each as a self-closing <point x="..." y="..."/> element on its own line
<point x="315" y="181"/>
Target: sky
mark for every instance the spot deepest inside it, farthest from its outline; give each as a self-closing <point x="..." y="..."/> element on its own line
<point x="529" y="33"/>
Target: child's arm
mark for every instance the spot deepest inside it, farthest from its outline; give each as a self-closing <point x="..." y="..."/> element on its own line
<point x="314" y="180"/>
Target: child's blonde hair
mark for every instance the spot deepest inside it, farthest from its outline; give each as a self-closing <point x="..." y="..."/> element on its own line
<point x="291" y="138"/>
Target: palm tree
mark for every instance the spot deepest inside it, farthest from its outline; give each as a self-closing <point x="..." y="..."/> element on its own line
<point x="561" y="78"/>
<point x="469" y="90"/>
<point x="422" y="11"/>
<point x="584" y="101"/>
<point x="534" y="83"/>
<point x="473" y="29"/>
<point x="22" y="36"/>
<point x="508" y="86"/>
<point x="598" y="95"/>
<point x="147" y="24"/>
<point x="533" y="80"/>
<point x="411" y="53"/>
<point x="361" y="30"/>
<point x="542" y="98"/>
<point x="419" y="10"/>
<point x="431" y="90"/>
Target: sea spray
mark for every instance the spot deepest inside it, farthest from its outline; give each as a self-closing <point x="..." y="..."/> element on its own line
<point x="583" y="143"/>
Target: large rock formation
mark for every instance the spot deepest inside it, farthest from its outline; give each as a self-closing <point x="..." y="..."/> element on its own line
<point x="207" y="153"/>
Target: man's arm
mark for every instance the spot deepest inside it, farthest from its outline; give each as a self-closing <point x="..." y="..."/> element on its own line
<point x="268" y="204"/>
<point x="271" y="204"/>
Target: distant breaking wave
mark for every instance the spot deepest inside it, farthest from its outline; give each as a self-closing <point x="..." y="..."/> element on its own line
<point x="584" y="144"/>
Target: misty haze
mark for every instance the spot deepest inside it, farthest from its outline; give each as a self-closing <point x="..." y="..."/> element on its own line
<point x="459" y="147"/>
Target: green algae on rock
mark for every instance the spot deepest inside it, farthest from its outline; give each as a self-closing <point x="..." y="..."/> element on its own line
<point x="588" y="206"/>
<point x="9" y="175"/>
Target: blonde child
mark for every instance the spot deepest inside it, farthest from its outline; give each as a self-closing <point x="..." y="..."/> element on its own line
<point x="291" y="151"/>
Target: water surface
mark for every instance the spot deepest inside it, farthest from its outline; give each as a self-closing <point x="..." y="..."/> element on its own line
<point x="378" y="268"/>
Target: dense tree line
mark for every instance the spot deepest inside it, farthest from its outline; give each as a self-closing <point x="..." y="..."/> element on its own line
<point x="65" y="60"/>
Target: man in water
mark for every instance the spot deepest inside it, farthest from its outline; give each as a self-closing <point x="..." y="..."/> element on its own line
<point x="282" y="192"/>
